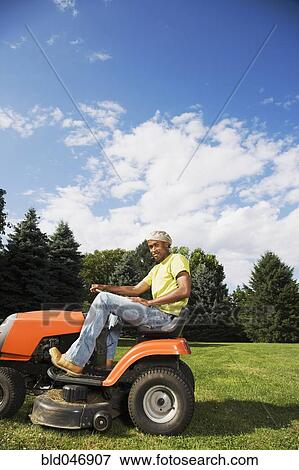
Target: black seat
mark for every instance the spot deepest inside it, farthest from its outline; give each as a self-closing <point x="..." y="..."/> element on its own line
<point x="171" y="330"/>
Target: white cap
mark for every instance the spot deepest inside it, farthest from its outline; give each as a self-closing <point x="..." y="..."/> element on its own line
<point x="161" y="236"/>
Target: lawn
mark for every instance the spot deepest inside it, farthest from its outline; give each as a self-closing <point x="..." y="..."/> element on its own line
<point x="247" y="397"/>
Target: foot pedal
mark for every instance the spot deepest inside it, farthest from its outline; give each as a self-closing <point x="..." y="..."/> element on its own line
<point x="59" y="375"/>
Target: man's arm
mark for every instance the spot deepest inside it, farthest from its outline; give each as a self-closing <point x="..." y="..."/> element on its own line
<point x="182" y="292"/>
<point x="133" y="291"/>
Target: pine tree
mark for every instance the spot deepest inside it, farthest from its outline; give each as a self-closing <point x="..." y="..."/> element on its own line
<point x="26" y="267"/>
<point x="237" y="298"/>
<point x="2" y="255"/>
<point x="270" y="311"/>
<point x="127" y="271"/>
<point x="133" y="267"/>
<point x="65" y="284"/>
<point x="2" y="215"/>
<point x="209" y="304"/>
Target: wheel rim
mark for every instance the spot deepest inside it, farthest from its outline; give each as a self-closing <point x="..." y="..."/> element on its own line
<point x="1" y="395"/>
<point x="160" y="404"/>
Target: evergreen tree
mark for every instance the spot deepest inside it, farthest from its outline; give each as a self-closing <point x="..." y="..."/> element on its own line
<point x="2" y="256"/>
<point x="209" y="304"/>
<point x="25" y="282"/>
<point x="133" y="267"/>
<point x="2" y="215"/>
<point x="237" y="298"/>
<point x="65" y="283"/>
<point x="270" y="310"/>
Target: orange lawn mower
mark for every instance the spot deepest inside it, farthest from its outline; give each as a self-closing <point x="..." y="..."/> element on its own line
<point x="150" y="384"/>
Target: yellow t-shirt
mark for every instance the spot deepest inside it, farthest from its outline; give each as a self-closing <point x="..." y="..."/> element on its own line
<point x="162" y="279"/>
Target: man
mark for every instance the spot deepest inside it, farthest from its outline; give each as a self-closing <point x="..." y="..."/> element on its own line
<point x="170" y="283"/>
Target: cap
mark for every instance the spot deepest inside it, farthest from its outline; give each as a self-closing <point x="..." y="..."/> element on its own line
<point x="161" y="236"/>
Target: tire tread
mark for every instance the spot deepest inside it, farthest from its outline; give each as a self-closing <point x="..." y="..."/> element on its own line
<point x="13" y="381"/>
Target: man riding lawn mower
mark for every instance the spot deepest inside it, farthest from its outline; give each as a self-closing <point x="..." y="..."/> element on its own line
<point x="150" y="382"/>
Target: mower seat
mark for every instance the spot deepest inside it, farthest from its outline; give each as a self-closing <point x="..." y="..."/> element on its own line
<point x="172" y="330"/>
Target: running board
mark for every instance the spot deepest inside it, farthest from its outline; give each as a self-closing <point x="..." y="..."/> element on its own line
<point x="59" y="375"/>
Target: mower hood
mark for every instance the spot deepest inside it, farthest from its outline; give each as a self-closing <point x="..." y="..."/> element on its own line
<point x="21" y="333"/>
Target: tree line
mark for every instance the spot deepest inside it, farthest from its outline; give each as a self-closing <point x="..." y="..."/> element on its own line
<point x="40" y="272"/>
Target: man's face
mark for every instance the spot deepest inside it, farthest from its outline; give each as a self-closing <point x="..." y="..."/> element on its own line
<point x="159" y="250"/>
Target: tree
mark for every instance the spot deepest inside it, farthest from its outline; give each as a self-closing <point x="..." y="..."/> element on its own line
<point x="146" y="261"/>
<point x="182" y="250"/>
<point x="2" y="215"/>
<point x="209" y="304"/>
<point x="98" y="267"/>
<point x="134" y="266"/>
<point x="237" y="298"/>
<point x="65" y="283"/>
<point x="270" y="310"/>
<point x="26" y="267"/>
<point x="2" y="231"/>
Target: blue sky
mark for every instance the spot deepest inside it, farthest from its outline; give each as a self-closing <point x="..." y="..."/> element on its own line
<point x="150" y="77"/>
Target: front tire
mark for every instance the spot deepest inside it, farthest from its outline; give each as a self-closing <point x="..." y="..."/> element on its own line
<point x="12" y="392"/>
<point x="161" y="401"/>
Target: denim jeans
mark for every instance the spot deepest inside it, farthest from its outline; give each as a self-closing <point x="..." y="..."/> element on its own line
<point x="104" y="305"/>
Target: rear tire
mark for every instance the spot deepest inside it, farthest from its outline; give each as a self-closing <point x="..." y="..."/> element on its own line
<point x="12" y="392"/>
<point x="161" y="402"/>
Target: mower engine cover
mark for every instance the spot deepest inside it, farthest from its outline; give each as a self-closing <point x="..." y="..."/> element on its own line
<point x="21" y="333"/>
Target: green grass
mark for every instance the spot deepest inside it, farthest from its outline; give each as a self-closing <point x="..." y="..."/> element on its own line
<point x="247" y="397"/>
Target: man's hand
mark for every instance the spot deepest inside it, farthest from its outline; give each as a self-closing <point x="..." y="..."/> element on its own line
<point x="140" y="300"/>
<point x="97" y="287"/>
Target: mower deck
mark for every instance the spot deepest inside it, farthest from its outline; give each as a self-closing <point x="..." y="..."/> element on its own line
<point x="59" y="375"/>
<point x="50" y="409"/>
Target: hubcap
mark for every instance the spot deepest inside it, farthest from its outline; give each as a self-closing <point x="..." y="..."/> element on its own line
<point x="160" y="404"/>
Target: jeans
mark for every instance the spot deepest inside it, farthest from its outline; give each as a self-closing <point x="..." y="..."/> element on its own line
<point x="103" y="305"/>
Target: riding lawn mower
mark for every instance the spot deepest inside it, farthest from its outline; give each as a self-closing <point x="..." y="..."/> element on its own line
<point x="150" y="384"/>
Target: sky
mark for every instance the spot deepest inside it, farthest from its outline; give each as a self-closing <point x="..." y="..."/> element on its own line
<point x="122" y="117"/>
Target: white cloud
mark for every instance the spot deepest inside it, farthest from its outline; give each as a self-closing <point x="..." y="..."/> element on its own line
<point x="269" y="100"/>
<point x="76" y="42"/>
<point x="292" y="196"/>
<point x="202" y="208"/>
<point x="10" y="119"/>
<point x="52" y="39"/>
<point x="284" y="176"/>
<point x="17" y="44"/>
<point x="229" y="200"/>
<point x="25" y="125"/>
<point x="69" y="122"/>
<point x="127" y="188"/>
<point x="286" y="103"/>
<point x="29" y="192"/>
<point x="67" y="5"/>
<point x="57" y="115"/>
<point x="83" y="137"/>
<point x="95" y="56"/>
<point x="103" y="118"/>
